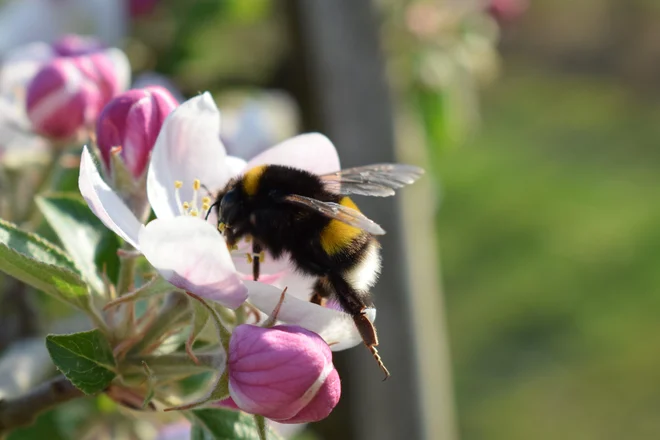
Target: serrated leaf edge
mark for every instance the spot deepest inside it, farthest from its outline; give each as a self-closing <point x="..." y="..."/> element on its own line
<point x="49" y="247"/>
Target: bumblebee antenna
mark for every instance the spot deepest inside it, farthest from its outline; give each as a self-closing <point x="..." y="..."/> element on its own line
<point x="216" y="203"/>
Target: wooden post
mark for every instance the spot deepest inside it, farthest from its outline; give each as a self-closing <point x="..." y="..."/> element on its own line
<point x="339" y="79"/>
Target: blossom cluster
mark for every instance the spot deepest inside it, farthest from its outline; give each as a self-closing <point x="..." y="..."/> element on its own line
<point x="278" y="365"/>
<point x="285" y="372"/>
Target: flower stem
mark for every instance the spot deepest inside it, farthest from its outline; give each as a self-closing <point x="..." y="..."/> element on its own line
<point x="261" y="427"/>
<point x="126" y="277"/>
<point x="48" y="178"/>
<point x="21" y="411"/>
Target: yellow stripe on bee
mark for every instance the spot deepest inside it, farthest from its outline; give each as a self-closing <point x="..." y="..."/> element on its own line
<point x="337" y="235"/>
<point x="251" y="179"/>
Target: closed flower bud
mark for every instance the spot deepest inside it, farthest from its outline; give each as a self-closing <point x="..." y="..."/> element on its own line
<point x="61" y="100"/>
<point x="284" y="373"/>
<point x="138" y="8"/>
<point x="68" y="93"/>
<point x="74" y="45"/>
<point x="132" y="121"/>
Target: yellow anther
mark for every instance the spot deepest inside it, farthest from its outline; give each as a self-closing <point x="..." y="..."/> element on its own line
<point x="206" y="200"/>
<point x="196" y="184"/>
<point x="233" y="248"/>
<point x="194" y="213"/>
<point x="205" y="207"/>
<point x="248" y="238"/>
<point x="262" y="256"/>
<point x="221" y="227"/>
<point x="186" y="206"/>
<point x="178" y="184"/>
<point x="249" y="258"/>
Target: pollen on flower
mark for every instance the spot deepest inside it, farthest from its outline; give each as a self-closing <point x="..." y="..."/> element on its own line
<point x="191" y="207"/>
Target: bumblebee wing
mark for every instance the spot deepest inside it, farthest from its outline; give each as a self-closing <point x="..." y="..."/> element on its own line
<point x="338" y="212"/>
<point x="379" y="180"/>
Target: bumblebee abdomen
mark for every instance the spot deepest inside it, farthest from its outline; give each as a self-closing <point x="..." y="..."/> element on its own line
<point x="337" y="236"/>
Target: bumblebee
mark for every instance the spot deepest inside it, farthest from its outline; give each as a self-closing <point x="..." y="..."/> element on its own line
<point x="310" y="218"/>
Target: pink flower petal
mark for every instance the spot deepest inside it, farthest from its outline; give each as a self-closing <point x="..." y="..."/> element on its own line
<point x="312" y="152"/>
<point x="188" y="148"/>
<point x="278" y="372"/>
<point x="192" y="255"/>
<point x="334" y="326"/>
<point x="104" y="203"/>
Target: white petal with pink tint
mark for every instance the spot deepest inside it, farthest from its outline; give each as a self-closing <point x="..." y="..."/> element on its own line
<point x="335" y="327"/>
<point x="312" y="152"/>
<point x="20" y="65"/>
<point x="278" y="272"/>
<point x="235" y="166"/>
<point x="192" y="255"/>
<point x="188" y="148"/>
<point x="104" y="203"/>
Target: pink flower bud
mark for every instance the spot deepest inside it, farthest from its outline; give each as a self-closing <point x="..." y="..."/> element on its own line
<point x="138" y="8"/>
<point x="61" y="100"/>
<point x="74" y="45"/>
<point x="68" y="93"/>
<point x="133" y="120"/>
<point x="284" y="373"/>
<point x="507" y="10"/>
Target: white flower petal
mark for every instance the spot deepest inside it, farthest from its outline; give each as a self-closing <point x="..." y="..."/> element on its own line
<point x="122" y="67"/>
<point x="192" y="255"/>
<point x="335" y="327"/>
<point x="312" y="152"/>
<point x="188" y="148"/>
<point x="19" y="67"/>
<point x="235" y="165"/>
<point x="104" y="203"/>
<point x="280" y="273"/>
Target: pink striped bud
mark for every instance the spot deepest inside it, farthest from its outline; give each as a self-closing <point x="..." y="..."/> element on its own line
<point x="73" y="45"/>
<point x="284" y="373"/>
<point x="61" y="100"/>
<point x="132" y="121"/>
<point x="68" y="93"/>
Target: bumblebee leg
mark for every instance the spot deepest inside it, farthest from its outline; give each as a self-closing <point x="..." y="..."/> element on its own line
<point x="353" y="304"/>
<point x="230" y="238"/>
<point x="321" y="292"/>
<point x="256" y="259"/>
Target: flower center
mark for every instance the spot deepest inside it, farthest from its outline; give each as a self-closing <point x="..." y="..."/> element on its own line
<point x="191" y="207"/>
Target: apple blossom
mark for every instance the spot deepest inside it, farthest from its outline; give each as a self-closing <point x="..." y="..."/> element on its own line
<point x="189" y="252"/>
<point x="284" y="373"/>
<point x="68" y="93"/>
<point x="73" y="45"/>
<point x="132" y="121"/>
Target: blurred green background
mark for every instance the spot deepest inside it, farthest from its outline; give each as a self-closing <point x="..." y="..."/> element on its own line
<point x="549" y="231"/>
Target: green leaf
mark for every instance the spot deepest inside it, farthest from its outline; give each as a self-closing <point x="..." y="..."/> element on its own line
<point x="224" y="424"/>
<point x="41" y="264"/>
<point x="90" y="244"/>
<point x="199" y="320"/>
<point x="84" y="358"/>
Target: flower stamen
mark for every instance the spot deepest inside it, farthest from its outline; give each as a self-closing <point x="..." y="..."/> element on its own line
<point x="177" y="196"/>
<point x="191" y="207"/>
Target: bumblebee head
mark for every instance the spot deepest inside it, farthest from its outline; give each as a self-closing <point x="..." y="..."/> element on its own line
<point x="231" y="207"/>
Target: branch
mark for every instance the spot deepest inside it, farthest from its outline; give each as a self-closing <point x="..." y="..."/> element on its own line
<point x="22" y="411"/>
